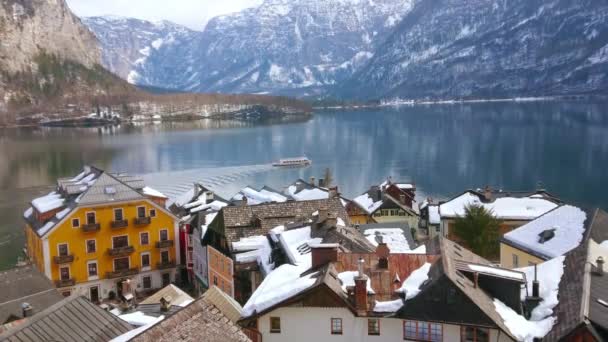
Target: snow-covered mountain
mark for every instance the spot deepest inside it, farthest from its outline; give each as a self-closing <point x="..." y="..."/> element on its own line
<point x="131" y="45"/>
<point x="281" y="46"/>
<point x="490" y="48"/>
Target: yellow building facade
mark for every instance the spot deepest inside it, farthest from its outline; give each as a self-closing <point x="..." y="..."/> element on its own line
<point x="511" y="257"/>
<point x="89" y="246"/>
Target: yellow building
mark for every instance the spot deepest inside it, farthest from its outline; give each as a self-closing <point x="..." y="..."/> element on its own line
<point x="97" y="230"/>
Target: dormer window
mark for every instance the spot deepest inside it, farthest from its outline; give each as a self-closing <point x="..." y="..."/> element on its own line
<point x="546" y="235"/>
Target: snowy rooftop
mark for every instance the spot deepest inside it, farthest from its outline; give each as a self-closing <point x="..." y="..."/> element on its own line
<point x="367" y="203"/>
<point x="513" y="208"/>
<point x="48" y="202"/>
<point x="259" y="196"/>
<point x="307" y="194"/>
<point x="411" y="287"/>
<point x="296" y="244"/>
<point x="394" y="238"/>
<point x="553" y="234"/>
<point x="434" y="217"/>
<point x="348" y="280"/>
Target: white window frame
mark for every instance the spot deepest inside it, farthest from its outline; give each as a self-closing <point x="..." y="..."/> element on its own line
<point x="90" y="277"/>
<point x="75" y="219"/>
<point x="150" y="212"/>
<point x="168" y="255"/>
<point x="114" y="263"/>
<point x="515" y="260"/>
<point x="137" y="211"/>
<point x="141" y="258"/>
<point x="86" y="246"/>
<point x="114" y="213"/>
<point x="140" y="235"/>
<point x="115" y="236"/>
<point x="159" y="234"/>
<point x="143" y="282"/>
<point x="69" y="272"/>
<point x="61" y="244"/>
<point x="86" y="217"/>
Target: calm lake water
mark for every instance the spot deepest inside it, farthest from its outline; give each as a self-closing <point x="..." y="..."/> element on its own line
<point x="444" y="149"/>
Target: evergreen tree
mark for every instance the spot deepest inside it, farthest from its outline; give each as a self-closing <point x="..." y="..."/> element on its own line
<point x="479" y="230"/>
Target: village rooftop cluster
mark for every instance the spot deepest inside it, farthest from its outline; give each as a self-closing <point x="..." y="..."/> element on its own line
<point x="111" y="259"/>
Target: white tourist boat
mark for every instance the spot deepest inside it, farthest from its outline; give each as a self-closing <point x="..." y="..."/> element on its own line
<point x="293" y="162"/>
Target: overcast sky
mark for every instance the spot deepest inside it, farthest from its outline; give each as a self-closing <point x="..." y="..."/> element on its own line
<point x="192" y="13"/>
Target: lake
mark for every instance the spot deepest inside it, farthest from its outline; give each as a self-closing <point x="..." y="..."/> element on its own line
<point x="444" y="149"/>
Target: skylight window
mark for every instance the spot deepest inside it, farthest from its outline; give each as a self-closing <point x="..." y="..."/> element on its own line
<point x="110" y="190"/>
<point x="303" y="248"/>
<point x="546" y="235"/>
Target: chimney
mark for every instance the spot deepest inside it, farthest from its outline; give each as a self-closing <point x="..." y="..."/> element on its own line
<point x="165" y="304"/>
<point x="209" y="197"/>
<point x="312" y="181"/>
<point x="600" y="266"/>
<point x="382" y="251"/>
<point x="323" y="253"/>
<point x="361" y="291"/>
<point x="244" y="201"/>
<point x="323" y="213"/>
<point x="333" y="192"/>
<point x="532" y="301"/>
<point x="487" y="192"/>
<point x="331" y="221"/>
<point x="27" y="310"/>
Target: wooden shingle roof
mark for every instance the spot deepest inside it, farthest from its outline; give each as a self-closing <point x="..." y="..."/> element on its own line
<point x="72" y="319"/>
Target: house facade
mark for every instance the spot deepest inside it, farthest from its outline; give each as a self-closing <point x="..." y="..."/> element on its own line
<point x="385" y="203"/>
<point x="97" y="230"/>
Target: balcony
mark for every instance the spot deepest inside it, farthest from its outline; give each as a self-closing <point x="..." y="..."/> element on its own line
<point x="141" y="221"/>
<point x="122" y="273"/>
<point x="121" y="251"/>
<point x="90" y="227"/>
<point x="164" y="265"/>
<point x="63" y="259"/>
<point x="65" y="282"/>
<point x="119" y="224"/>
<point x="164" y="244"/>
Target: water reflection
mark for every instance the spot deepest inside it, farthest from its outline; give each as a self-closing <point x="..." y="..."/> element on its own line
<point x="444" y="149"/>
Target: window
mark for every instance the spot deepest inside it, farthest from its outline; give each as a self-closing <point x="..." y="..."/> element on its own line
<point x="215" y="280"/>
<point x="515" y="261"/>
<point x="75" y="223"/>
<point x="336" y="326"/>
<point x="121" y="264"/>
<point x="92" y="268"/>
<point x="152" y="212"/>
<point x="275" y="324"/>
<point x="164" y="235"/>
<point x="422" y="331"/>
<point x="164" y="257"/>
<point x="474" y="334"/>
<point x="91" y="246"/>
<point x="373" y="326"/>
<point x="144" y="239"/>
<point x="66" y="293"/>
<point x="91" y="218"/>
<point x="145" y="260"/>
<point x="141" y="212"/>
<point x="166" y="278"/>
<point x="62" y="249"/>
<point x="120" y="241"/>
<point x="118" y="214"/>
<point x="64" y="273"/>
<point x="147" y="282"/>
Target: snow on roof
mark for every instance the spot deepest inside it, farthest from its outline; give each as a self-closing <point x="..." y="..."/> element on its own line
<point x="566" y="224"/>
<point x="208" y="219"/>
<point x="604" y="244"/>
<point x="514" y="208"/>
<point x="129" y="335"/>
<point x="49" y="202"/>
<point x="348" y="279"/>
<point x="393" y="237"/>
<point x="500" y="272"/>
<point x="296" y="244"/>
<point x="28" y="212"/>
<point x="47" y="226"/>
<point x="152" y="192"/>
<point x="281" y="284"/>
<point x="258" y="197"/>
<point x="434" y="217"/>
<point x="137" y="318"/>
<point x="340" y="222"/>
<point x="257" y="249"/>
<point x="367" y="203"/>
<point x="307" y="194"/>
<point x="405" y="186"/>
<point x="411" y="287"/>
<point x="215" y="206"/>
<point x="63" y="213"/>
<point x="541" y="320"/>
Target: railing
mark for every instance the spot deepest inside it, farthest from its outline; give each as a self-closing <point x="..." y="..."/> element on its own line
<point x="122" y="273"/>
<point x="63" y="259"/>
<point x="65" y="282"/>
<point x="121" y="251"/>
<point x="91" y="227"/>
<point x="119" y="224"/>
<point x="253" y="334"/>
<point x="164" y="244"/>
<point x="141" y="221"/>
<point x="164" y="265"/>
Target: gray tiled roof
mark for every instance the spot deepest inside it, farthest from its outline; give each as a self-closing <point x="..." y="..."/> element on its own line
<point x="25" y="285"/>
<point x="108" y="189"/>
<point x="199" y="321"/>
<point x="238" y="220"/>
<point x="72" y="319"/>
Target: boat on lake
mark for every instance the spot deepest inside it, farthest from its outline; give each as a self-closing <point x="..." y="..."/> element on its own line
<point x="293" y="162"/>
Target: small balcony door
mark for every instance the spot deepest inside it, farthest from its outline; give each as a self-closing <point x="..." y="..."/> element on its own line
<point x="64" y="273"/>
<point x="164" y="235"/>
<point x="120" y="241"/>
<point x="94" y="294"/>
<point x="63" y="250"/>
<point x="141" y="212"/>
<point x="91" y="218"/>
